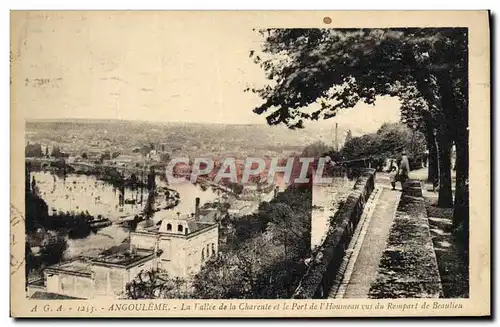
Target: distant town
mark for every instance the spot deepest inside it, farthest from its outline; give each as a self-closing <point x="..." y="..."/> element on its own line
<point x="102" y="211"/>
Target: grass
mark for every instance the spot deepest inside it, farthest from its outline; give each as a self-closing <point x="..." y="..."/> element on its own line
<point x="449" y="252"/>
<point x="450" y="256"/>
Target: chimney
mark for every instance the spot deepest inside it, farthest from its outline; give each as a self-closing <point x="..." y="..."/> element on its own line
<point x="197" y="208"/>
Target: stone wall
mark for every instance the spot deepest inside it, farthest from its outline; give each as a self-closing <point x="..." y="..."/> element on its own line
<point x="325" y="263"/>
<point x="408" y="267"/>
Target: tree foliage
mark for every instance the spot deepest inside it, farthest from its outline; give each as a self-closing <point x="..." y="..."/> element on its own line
<point x="348" y="136"/>
<point x="155" y="284"/>
<point x="314" y="73"/>
<point x="33" y="150"/>
<point x="266" y="260"/>
<point x="337" y="68"/>
<point x="53" y="250"/>
<point x="316" y="149"/>
<point x="257" y="269"/>
<point x="389" y="141"/>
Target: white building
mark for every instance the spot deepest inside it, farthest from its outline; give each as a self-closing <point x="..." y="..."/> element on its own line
<point x="102" y="277"/>
<point x="178" y="244"/>
<point x="182" y="243"/>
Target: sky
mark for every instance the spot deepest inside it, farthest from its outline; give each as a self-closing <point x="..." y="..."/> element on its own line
<point x="148" y="66"/>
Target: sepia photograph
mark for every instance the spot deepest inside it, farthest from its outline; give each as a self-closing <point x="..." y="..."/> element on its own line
<point x="167" y="160"/>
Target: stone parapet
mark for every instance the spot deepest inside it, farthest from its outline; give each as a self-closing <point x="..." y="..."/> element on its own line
<point x="326" y="261"/>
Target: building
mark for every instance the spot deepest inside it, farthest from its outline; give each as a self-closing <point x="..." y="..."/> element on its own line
<point x="183" y="243"/>
<point x="178" y="244"/>
<point x="104" y="276"/>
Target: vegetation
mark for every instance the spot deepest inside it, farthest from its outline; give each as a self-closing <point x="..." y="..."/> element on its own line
<point x="388" y="142"/>
<point x="452" y="264"/>
<point x="155" y="284"/>
<point x="185" y="138"/>
<point x="49" y="232"/>
<point x="315" y="150"/>
<point x="53" y="250"/>
<point x="57" y="153"/>
<point x="266" y="257"/>
<point x="426" y="68"/>
<point x="33" y="150"/>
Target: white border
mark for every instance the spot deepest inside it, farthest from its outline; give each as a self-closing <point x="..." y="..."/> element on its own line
<point x="184" y="4"/>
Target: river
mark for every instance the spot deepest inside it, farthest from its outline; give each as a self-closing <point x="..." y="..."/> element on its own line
<point x="326" y="199"/>
<point x="86" y="193"/>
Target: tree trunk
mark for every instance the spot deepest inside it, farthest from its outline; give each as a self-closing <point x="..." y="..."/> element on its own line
<point x="432" y="160"/>
<point x="445" y="199"/>
<point x="449" y="126"/>
<point x="422" y="77"/>
<point x="461" y="209"/>
<point x="432" y="163"/>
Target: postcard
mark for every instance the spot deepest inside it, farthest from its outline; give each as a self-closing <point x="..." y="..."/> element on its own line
<point x="250" y="163"/>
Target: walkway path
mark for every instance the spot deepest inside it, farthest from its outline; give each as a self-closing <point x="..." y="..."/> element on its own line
<point x="369" y="241"/>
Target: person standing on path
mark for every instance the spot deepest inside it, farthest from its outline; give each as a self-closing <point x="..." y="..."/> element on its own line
<point x="393" y="174"/>
<point x="404" y="169"/>
<point x="426" y="157"/>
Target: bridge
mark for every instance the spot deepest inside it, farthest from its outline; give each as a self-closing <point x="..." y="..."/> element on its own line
<point x="378" y="246"/>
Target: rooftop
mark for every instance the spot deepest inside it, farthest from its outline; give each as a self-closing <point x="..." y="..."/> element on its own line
<point x="51" y="296"/>
<point x="195" y="226"/>
<point x="124" y="259"/>
<point x="76" y="267"/>
<point x="169" y="214"/>
<point x="192" y="225"/>
<point x="38" y="282"/>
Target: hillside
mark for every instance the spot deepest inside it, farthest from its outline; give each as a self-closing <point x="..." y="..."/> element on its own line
<point x="191" y="139"/>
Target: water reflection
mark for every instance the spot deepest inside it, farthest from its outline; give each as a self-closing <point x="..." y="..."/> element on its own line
<point x="78" y="193"/>
<point x="326" y="198"/>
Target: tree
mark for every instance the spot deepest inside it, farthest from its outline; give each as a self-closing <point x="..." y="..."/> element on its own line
<point x="338" y="68"/>
<point x="37" y="211"/>
<point x="81" y="227"/>
<point x="164" y="157"/>
<point x="105" y="156"/>
<point x="396" y="137"/>
<point x="288" y="229"/>
<point x="267" y="261"/>
<point x="316" y="149"/>
<point x="362" y="147"/>
<point x="56" y="152"/>
<point x="151" y="182"/>
<point x="33" y="150"/>
<point x="219" y="278"/>
<point x="133" y="181"/>
<point x="348" y="136"/>
<point x="30" y="261"/>
<point x="254" y="270"/>
<point x="416" y="113"/>
<point x="53" y="250"/>
<point x="155" y="284"/>
<point x="149" y="209"/>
